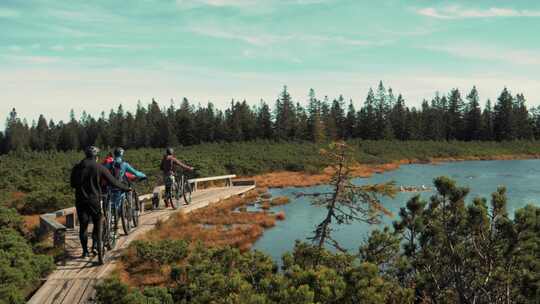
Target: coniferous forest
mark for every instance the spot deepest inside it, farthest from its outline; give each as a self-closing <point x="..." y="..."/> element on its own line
<point x="383" y="115"/>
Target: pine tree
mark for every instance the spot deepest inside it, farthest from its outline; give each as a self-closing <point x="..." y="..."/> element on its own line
<point x="338" y="116"/>
<point x="143" y="130"/>
<point x="264" y="121"/>
<point x="455" y="124"/>
<point x="285" y="115"/>
<point x="522" y="121"/>
<point x="368" y="117"/>
<point x="503" y="123"/>
<point x="302" y="124"/>
<point x="328" y="119"/>
<point x="39" y="135"/>
<point x="17" y="136"/>
<point x="184" y="123"/>
<point x="381" y="109"/>
<point x="487" y="122"/>
<point x="473" y="117"/>
<point x="350" y="121"/>
<point x="315" y="121"/>
<point x="399" y="119"/>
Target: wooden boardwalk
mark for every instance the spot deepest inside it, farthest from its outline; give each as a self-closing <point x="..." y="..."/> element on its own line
<point x="73" y="283"/>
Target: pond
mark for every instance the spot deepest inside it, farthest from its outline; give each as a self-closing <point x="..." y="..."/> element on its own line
<point x="521" y="178"/>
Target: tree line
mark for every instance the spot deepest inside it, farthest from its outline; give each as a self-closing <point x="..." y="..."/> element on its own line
<point x="382" y="116"/>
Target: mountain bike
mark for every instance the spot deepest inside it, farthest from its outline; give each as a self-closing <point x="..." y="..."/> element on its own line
<point x="109" y="228"/>
<point x="130" y="210"/>
<point x="183" y="188"/>
<point x="180" y="187"/>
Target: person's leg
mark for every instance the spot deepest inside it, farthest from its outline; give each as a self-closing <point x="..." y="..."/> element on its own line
<point x="83" y="227"/>
<point x="96" y="231"/>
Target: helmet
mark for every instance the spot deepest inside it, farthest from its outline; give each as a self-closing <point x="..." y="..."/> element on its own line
<point x="91" y="151"/>
<point x="118" y="152"/>
<point x="169" y="151"/>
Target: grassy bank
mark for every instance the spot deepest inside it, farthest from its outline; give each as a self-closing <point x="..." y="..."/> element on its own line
<point x="35" y="182"/>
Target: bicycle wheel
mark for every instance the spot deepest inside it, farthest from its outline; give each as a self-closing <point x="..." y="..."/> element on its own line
<point x="125" y="215"/>
<point x="186" y="191"/>
<point x="100" y="241"/>
<point x="113" y="227"/>
<point x="173" y="199"/>
<point x="135" y="208"/>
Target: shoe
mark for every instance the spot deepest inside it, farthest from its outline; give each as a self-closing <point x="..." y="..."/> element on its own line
<point x="85" y="254"/>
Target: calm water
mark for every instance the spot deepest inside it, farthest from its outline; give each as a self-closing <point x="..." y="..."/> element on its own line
<point x="521" y="178"/>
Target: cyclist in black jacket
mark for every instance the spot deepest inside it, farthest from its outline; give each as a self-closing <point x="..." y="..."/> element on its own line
<point x="86" y="178"/>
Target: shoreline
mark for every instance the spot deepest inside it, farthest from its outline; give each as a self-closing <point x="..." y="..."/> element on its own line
<point x="283" y="179"/>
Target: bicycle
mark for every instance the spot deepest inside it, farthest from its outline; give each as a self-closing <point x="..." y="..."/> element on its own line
<point x="109" y="228"/>
<point x="130" y="210"/>
<point x="180" y="187"/>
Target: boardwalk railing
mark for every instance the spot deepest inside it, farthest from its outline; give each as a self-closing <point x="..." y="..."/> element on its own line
<point x="49" y="223"/>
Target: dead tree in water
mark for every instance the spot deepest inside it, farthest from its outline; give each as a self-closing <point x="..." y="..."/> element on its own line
<point x="347" y="202"/>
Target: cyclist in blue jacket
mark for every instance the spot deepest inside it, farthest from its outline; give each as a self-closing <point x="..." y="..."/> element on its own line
<point x="119" y="168"/>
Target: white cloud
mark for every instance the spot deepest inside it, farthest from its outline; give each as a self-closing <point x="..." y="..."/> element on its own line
<point x="33" y="59"/>
<point x="216" y="3"/>
<point x="58" y="48"/>
<point x="264" y="39"/>
<point x="244" y="3"/>
<point x="15" y="48"/>
<point x="458" y="12"/>
<point x="253" y="39"/>
<point x="512" y="56"/>
<point x="80" y="47"/>
<point x="8" y="13"/>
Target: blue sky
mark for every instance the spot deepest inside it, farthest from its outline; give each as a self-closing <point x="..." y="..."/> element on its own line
<point x="94" y="55"/>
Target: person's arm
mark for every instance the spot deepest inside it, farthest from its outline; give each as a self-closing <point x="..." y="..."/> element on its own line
<point x="181" y="164"/>
<point x="104" y="172"/>
<point x="74" y="179"/>
<point x="132" y="170"/>
<point x="130" y="177"/>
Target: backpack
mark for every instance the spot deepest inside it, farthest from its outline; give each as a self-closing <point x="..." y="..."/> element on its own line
<point x="116" y="170"/>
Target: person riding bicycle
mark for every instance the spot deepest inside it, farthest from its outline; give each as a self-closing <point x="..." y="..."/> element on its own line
<point x="119" y="169"/>
<point x="168" y="166"/>
<point x="86" y="177"/>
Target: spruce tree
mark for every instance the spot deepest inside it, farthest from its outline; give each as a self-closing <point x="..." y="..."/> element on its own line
<point x="487" y="122"/>
<point x="455" y="123"/>
<point x="350" y="121"/>
<point x="523" y="125"/>
<point x="398" y="119"/>
<point x="473" y="117"/>
<point x="315" y="120"/>
<point x="368" y="117"/>
<point x="264" y="121"/>
<point x="503" y="122"/>
<point x="285" y="115"/>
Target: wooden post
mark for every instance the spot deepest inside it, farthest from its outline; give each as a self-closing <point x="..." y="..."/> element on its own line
<point x="60" y="237"/>
<point x="70" y="220"/>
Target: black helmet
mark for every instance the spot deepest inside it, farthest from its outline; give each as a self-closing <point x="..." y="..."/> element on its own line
<point x="118" y="152"/>
<point x="91" y="151"/>
<point x="169" y="151"/>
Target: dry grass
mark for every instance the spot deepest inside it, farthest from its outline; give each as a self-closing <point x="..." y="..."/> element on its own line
<point x="303" y="179"/>
<point x="219" y="224"/>
<point x="280" y="200"/>
<point x="226" y="223"/>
